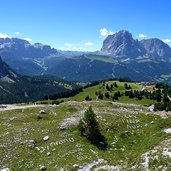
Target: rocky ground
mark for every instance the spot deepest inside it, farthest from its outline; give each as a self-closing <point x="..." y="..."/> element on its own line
<point x="45" y="137"/>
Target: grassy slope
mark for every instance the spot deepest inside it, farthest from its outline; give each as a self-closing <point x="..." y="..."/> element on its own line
<point x="124" y="99"/>
<point x="130" y="131"/>
<point x="116" y="121"/>
<point x="102" y="58"/>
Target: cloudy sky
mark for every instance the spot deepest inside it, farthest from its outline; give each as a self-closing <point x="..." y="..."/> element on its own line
<point x="83" y="24"/>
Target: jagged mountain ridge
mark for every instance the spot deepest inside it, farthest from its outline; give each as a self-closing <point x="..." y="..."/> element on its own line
<point x="18" y="48"/>
<point x="26" y="58"/>
<point x="121" y="55"/>
<point x="122" y="45"/>
<point x="157" y="49"/>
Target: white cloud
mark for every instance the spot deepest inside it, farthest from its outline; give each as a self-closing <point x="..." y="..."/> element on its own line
<point x="89" y="44"/>
<point x="17" y="33"/>
<point x="68" y="45"/>
<point x="28" y="39"/>
<point x="142" y="35"/>
<point x="166" y="40"/>
<point x="4" y="35"/>
<point x="104" y="32"/>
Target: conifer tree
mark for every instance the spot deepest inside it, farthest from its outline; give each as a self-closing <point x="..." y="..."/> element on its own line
<point x="89" y="127"/>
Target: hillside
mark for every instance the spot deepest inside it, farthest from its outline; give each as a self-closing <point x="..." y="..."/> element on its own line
<point x="6" y="73"/>
<point x="91" y="67"/>
<point x="124" y="92"/>
<point x="15" y="88"/>
<point x="30" y="89"/>
<point x="46" y="138"/>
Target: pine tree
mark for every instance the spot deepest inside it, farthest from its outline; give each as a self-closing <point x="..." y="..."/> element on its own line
<point x="126" y="86"/>
<point x="107" y="95"/>
<point x="158" y="95"/>
<point x="115" y="84"/>
<point x="107" y="87"/>
<point x="165" y="98"/>
<point x="87" y="98"/>
<point x="115" y="96"/>
<point x="89" y="127"/>
<point x="100" y="96"/>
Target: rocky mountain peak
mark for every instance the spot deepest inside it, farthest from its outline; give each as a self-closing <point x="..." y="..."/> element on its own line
<point x="122" y="45"/>
<point x="18" y="48"/>
<point x="13" y="41"/>
<point x="157" y="49"/>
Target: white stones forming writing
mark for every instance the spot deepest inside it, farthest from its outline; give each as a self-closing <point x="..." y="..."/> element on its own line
<point x="56" y="143"/>
<point x="52" y="144"/>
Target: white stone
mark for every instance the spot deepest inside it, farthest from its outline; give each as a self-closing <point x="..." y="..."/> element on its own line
<point x="168" y="130"/>
<point x="42" y="167"/>
<point x="29" y="143"/>
<point x="5" y="169"/>
<point x="42" y="111"/>
<point x="76" y="166"/>
<point x="167" y="153"/>
<point x="46" y="138"/>
<point x="152" y="108"/>
<point x="48" y="153"/>
<point x="37" y="148"/>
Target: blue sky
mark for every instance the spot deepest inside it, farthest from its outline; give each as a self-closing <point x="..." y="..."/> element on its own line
<point x="83" y="24"/>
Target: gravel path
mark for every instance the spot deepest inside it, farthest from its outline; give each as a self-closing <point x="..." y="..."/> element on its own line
<point x="13" y="107"/>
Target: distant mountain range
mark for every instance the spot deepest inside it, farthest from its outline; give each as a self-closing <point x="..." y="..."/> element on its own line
<point x="120" y="56"/>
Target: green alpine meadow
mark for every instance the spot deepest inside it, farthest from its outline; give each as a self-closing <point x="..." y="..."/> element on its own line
<point x="85" y="85"/>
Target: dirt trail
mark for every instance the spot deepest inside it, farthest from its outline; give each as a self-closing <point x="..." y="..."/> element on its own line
<point x="13" y="107"/>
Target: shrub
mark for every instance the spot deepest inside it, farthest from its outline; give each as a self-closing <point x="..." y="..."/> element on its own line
<point x="87" y="98"/>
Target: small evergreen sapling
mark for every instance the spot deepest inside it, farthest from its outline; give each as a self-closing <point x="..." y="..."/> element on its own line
<point x="89" y="127"/>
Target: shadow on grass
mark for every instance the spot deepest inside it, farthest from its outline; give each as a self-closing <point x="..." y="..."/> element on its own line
<point x="98" y="140"/>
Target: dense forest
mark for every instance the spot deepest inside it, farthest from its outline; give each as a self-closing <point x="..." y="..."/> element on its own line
<point x="30" y="89"/>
